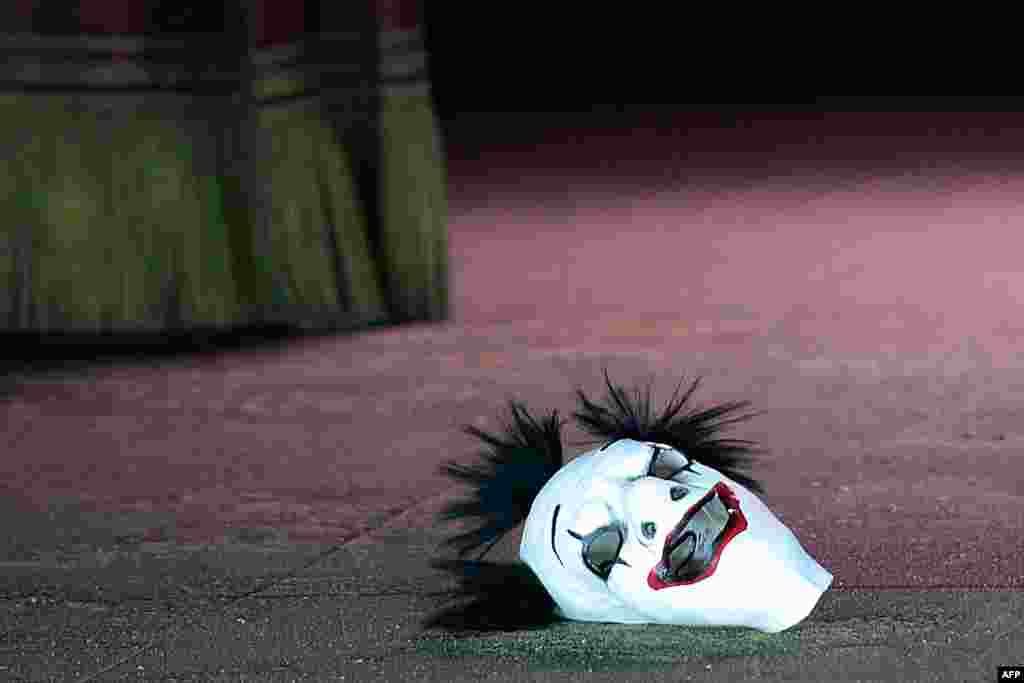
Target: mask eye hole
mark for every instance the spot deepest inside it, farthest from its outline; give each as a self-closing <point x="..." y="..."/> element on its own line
<point x="601" y="549"/>
<point x="667" y="463"/>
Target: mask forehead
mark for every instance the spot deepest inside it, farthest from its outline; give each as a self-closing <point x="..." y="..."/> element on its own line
<point x="614" y="465"/>
<point x="602" y="474"/>
<point x="617" y="460"/>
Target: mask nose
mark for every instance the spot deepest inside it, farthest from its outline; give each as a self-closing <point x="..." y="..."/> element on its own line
<point x="650" y="513"/>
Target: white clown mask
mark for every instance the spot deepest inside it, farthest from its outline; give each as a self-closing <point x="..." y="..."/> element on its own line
<point x="658" y="525"/>
<point x="635" y="532"/>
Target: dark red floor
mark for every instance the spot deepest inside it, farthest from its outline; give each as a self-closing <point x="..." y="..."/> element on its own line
<point x="861" y="289"/>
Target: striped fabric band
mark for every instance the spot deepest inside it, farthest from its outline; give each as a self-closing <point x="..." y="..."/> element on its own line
<point x="125" y="64"/>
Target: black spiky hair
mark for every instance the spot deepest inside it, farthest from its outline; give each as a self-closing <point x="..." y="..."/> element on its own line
<point x="509" y="473"/>
<point x="516" y="464"/>
<point x="695" y="433"/>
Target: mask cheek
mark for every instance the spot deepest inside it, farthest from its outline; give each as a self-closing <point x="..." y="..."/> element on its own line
<point x="672" y="606"/>
<point x="629" y="583"/>
<point x="785" y="588"/>
<point x="731" y="596"/>
<point x="779" y="593"/>
<point x="587" y="598"/>
<point x="768" y="530"/>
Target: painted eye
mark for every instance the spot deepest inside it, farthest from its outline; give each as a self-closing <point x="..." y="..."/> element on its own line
<point x="601" y="550"/>
<point x="649" y="529"/>
<point x="678" y="493"/>
<point x="602" y="534"/>
<point x="667" y="463"/>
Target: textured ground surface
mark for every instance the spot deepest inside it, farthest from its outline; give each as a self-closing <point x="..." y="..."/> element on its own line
<point x="868" y="307"/>
<point x="183" y="614"/>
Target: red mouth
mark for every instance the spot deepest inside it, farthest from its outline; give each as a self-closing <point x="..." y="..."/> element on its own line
<point x="704" y="557"/>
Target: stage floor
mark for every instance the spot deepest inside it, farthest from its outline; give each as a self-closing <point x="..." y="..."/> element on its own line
<point x="858" y="281"/>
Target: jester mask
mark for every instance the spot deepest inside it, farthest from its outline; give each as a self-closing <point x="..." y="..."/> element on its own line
<point x="657" y="524"/>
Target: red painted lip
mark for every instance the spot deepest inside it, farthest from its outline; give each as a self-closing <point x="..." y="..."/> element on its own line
<point x="737" y="523"/>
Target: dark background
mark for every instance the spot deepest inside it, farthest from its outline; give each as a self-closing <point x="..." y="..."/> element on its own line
<point x="502" y="58"/>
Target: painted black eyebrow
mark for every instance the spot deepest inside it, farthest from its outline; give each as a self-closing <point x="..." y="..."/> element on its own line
<point x="608" y="444"/>
<point x="688" y="467"/>
<point x="554" y="521"/>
